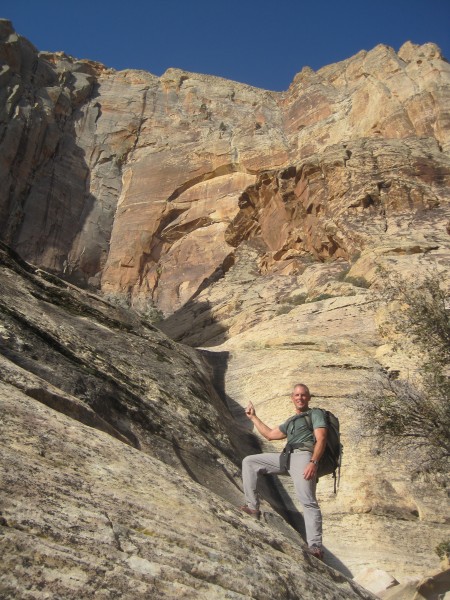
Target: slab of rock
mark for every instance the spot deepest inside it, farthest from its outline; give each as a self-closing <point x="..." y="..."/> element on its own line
<point x="436" y="585"/>
<point x="376" y="580"/>
<point x="85" y="515"/>
<point x="256" y="222"/>
<point x="380" y="516"/>
<point x="119" y="473"/>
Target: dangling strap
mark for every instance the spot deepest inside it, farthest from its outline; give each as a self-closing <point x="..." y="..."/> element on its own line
<point x="285" y="456"/>
<point x="338" y="475"/>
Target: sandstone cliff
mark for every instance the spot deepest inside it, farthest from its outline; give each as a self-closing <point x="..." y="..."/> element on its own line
<point x="255" y="222"/>
<point x="139" y="183"/>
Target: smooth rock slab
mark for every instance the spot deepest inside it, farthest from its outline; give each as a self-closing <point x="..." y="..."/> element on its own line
<point x="84" y="515"/>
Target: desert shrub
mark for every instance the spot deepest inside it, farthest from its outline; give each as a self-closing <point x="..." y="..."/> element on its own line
<point x="443" y="549"/>
<point x="404" y="416"/>
<point x="423" y="316"/>
<point x="151" y="314"/>
<point x="307" y="259"/>
<point x="343" y="274"/>
<point x="118" y="300"/>
<point x="284" y="309"/>
<point x="413" y="415"/>
<point x="357" y="281"/>
<point x="297" y="300"/>
<point x="148" y="312"/>
<point x="321" y="297"/>
<point x="289" y="302"/>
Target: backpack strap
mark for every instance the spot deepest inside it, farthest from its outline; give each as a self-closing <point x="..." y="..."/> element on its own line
<point x="308" y="418"/>
<point x="308" y="421"/>
<point x="336" y="479"/>
<point x="285" y="457"/>
<point x="294" y="418"/>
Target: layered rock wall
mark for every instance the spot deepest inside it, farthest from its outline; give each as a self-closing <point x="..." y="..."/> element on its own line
<point x="118" y="464"/>
<point x="131" y="182"/>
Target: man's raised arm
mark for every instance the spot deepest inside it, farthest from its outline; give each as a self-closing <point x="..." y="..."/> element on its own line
<point x="264" y="430"/>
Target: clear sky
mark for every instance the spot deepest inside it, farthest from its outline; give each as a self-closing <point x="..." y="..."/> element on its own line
<point x="260" y="42"/>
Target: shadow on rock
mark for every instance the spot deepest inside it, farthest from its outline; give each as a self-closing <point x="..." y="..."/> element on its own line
<point x="194" y="325"/>
<point x="270" y="487"/>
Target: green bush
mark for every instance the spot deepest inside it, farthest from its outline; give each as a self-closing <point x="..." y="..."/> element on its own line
<point x="321" y="297"/>
<point x="284" y="309"/>
<point x="357" y="281"/>
<point x="297" y="300"/>
<point x="443" y="549"/>
<point x="116" y="299"/>
<point x="148" y="312"/>
<point x="151" y="314"/>
<point x="423" y="318"/>
<point x="413" y="415"/>
<point x="342" y="275"/>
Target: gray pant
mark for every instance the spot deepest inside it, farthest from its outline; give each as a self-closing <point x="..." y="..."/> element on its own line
<point x="269" y="463"/>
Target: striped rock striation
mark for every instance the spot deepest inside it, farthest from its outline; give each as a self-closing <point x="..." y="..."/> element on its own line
<point x="119" y="465"/>
<point x="138" y="184"/>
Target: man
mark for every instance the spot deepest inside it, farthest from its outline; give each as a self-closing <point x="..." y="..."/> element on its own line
<point x="303" y="462"/>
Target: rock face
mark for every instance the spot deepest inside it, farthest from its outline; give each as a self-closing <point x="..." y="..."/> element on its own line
<point x="255" y="221"/>
<point x="140" y="184"/>
<point x="117" y="463"/>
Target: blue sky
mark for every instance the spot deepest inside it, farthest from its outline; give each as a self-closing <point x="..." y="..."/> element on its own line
<point x="260" y="42"/>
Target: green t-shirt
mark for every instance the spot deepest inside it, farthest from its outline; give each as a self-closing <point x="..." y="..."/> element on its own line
<point x="298" y="432"/>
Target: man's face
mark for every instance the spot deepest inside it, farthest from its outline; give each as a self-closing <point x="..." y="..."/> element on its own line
<point x="300" y="398"/>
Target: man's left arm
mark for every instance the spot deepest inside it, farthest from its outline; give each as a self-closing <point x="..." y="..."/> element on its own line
<point x="320" y="434"/>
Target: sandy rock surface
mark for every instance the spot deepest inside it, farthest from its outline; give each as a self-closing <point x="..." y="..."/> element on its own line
<point x="87" y="516"/>
<point x="114" y="482"/>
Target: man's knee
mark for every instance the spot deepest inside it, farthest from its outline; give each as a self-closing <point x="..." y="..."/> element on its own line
<point x="248" y="460"/>
<point x="306" y="495"/>
<point x="311" y="504"/>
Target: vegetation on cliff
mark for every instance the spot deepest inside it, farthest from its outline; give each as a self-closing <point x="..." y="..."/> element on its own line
<point x="414" y="412"/>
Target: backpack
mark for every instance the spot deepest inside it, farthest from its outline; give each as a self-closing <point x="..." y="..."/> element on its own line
<point x="330" y="461"/>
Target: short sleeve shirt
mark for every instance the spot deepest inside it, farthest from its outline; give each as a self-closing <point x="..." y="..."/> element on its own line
<point x="297" y="430"/>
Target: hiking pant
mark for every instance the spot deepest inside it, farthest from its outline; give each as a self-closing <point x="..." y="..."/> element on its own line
<point x="269" y="463"/>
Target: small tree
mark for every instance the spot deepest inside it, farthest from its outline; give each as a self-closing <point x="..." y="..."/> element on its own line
<point x="423" y="318"/>
<point x="443" y="550"/>
<point x="413" y="414"/>
<point x="403" y="415"/>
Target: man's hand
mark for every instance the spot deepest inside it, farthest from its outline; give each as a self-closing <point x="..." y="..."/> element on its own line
<point x="264" y="430"/>
<point x="310" y="471"/>
<point x="250" y="410"/>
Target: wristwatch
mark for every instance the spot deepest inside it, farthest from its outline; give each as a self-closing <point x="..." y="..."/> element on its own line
<point x="316" y="462"/>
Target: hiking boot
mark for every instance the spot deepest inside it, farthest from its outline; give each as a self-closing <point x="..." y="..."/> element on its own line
<point x="253" y="512"/>
<point x="316" y="551"/>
